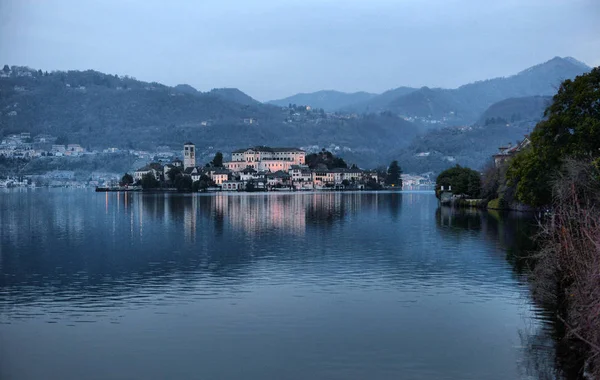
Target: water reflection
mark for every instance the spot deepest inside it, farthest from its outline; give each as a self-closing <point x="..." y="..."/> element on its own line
<point x="350" y="285"/>
<point x="545" y="351"/>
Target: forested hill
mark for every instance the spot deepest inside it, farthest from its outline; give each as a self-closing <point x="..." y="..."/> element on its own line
<point x="504" y="122"/>
<point x="515" y="109"/>
<point x="230" y="94"/>
<point x="99" y="110"/>
<point x="328" y="100"/>
<point x="464" y="105"/>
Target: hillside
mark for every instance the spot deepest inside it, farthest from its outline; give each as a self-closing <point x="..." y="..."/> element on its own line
<point x="462" y="106"/>
<point x="515" y="109"/>
<point x="99" y="110"/>
<point x="328" y="100"/>
<point x="504" y="122"/>
<point x="234" y="95"/>
<point x="378" y="103"/>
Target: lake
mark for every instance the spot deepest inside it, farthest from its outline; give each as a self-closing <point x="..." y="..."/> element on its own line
<point x="264" y="286"/>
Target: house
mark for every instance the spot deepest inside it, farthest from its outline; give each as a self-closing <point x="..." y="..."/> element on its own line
<point x="219" y="175"/>
<point x="76" y="148"/>
<point x="44" y="138"/>
<point x="231" y="185"/>
<point x="506" y="152"/>
<point x="196" y="173"/>
<point x="262" y="158"/>
<point x="155" y="168"/>
<point x="351" y="175"/>
<point x="250" y="174"/>
<point x="301" y="177"/>
<point x="278" y="178"/>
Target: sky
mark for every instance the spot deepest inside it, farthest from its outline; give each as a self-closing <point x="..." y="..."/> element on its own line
<point x="271" y="49"/>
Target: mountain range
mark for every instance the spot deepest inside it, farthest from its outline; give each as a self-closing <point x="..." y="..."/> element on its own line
<point x="329" y="100"/>
<point x="100" y="110"/>
<point x="460" y="106"/>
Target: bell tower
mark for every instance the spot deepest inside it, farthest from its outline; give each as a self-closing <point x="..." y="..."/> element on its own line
<point x="189" y="155"/>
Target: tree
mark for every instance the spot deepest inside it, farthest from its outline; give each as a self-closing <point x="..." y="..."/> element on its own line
<point x="183" y="183"/>
<point x="173" y="173"/>
<point x="393" y="177"/>
<point x="203" y="183"/>
<point x="126" y="180"/>
<point x="217" y="161"/>
<point x="462" y="181"/>
<point x="326" y="158"/>
<point x="6" y="69"/>
<point x="149" y="181"/>
<point x="490" y="181"/>
<point x="571" y="130"/>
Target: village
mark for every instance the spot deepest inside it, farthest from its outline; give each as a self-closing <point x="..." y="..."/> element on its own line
<point x="251" y="169"/>
<point x="259" y="169"/>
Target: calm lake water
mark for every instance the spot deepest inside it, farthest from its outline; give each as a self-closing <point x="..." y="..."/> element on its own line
<point x="263" y="286"/>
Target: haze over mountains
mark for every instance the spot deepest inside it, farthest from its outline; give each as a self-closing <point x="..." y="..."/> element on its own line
<point x="101" y="110"/>
<point x="458" y="106"/>
<point x="329" y="100"/>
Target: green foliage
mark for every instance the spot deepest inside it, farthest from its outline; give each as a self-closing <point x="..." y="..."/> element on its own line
<point x="571" y="130"/>
<point x="203" y="183"/>
<point x="464" y="181"/>
<point x="217" y="161"/>
<point x="392" y="177"/>
<point x="497" y="204"/>
<point x="183" y="183"/>
<point x="149" y="181"/>
<point x="373" y="185"/>
<point x="326" y="158"/>
<point x="127" y="179"/>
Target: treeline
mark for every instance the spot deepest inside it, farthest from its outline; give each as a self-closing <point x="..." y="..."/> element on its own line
<point x="559" y="172"/>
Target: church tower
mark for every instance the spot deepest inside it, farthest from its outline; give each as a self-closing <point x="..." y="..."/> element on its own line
<point x="189" y="155"/>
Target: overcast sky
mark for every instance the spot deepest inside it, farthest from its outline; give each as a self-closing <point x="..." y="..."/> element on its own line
<point x="275" y="48"/>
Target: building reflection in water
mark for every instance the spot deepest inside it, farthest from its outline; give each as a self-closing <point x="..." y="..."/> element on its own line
<point x="69" y="250"/>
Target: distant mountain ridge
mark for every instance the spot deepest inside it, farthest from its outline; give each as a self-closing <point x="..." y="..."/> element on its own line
<point x="234" y="95"/>
<point x="459" y="106"/>
<point x="100" y="110"/>
<point x="380" y="102"/>
<point x="329" y="100"/>
<point x="529" y="108"/>
<point x="230" y="94"/>
<point x="463" y="105"/>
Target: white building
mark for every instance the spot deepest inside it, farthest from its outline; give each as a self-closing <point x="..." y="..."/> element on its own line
<point x="155" y="169"/>
<point x="264" y="158"/>
<point x="189" y="155"/>
<point x="230" y="185"/>
<point x="219" y="176"/>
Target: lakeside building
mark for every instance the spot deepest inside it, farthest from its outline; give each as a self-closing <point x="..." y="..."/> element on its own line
<point x="155" y="168"/>
<point x="263" y="158"/>
<point x="264" y="168"/>
<point x="506" y="152"/>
